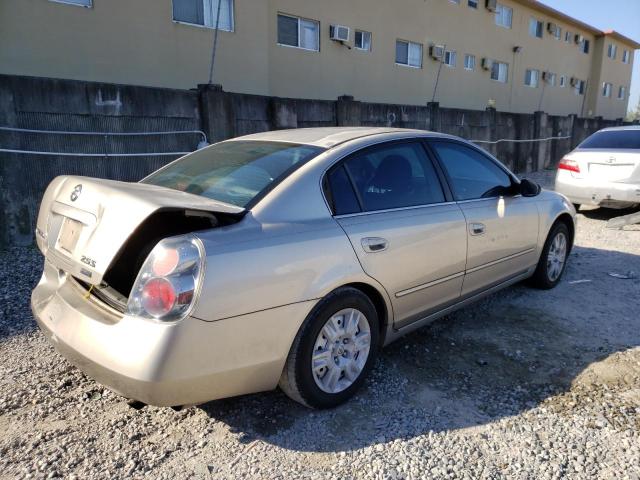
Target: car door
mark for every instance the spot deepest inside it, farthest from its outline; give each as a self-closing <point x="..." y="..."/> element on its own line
<point x="502" y="225"/>
<point x="407" y="235"/>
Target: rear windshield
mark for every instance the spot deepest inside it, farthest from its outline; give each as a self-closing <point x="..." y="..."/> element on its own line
<point x="239" y="173"/>
<point x="614" y="140"/>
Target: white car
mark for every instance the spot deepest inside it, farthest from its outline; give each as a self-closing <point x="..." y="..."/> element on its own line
<point x="604" y="170"/>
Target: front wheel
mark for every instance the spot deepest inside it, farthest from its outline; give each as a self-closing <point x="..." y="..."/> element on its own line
<point x="333" y="351"/>
<point x="553" y="259"/>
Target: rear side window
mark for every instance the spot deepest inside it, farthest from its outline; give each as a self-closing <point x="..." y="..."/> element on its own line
<point x="614" y="140"/>
<point x="472" y="174"/>
<point x="341" y="193"/>
<point x="394" y="176"/>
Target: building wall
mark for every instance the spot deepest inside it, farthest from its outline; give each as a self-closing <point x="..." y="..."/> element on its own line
<point x="138" y="43"/>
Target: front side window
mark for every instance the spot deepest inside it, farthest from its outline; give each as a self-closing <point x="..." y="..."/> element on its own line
<point x="606" y="89"/>
<point x="504" y="16"/>
<point x="469" y="62"/>
<point x="500" y="72"/>
<point x="450" y="58"/>
<point x="205" y="13"/>
<point x="298" y="32"/>
<point x="363" y="40"/>
<point x="531" y="78"/>
<point x="409" y="53"/>
<point x="535" y="28"/>
<point x="393" y="176"/>
<point x="472" y="174"/>
<point x="234" y="172"/>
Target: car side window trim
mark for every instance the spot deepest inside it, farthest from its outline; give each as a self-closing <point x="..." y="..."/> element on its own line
<point x="430" y="141"/>
<point x="419" y="141"/>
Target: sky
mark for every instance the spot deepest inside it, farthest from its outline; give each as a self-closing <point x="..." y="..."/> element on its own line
<point x="623" y="16"/>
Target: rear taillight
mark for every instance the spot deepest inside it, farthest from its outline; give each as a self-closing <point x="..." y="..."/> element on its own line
<point x="570" y="165"/>
<point x="168" y="281"/>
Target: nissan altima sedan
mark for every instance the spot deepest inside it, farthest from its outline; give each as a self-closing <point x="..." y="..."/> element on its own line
<point x="284" y="258"/>
<point x="604" y="170"/>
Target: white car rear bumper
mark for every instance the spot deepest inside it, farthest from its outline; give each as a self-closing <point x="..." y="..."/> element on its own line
<point x="587" y="191"/>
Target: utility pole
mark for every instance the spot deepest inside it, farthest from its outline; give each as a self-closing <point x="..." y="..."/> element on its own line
<point x="215" y="42"/>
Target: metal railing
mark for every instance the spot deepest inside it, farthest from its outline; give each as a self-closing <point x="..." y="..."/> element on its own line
<point x="105" y="135"/>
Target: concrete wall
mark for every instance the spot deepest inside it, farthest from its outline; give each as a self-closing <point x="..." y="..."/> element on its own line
<point x="41" y="104"/>
<point x="138" y="43"/>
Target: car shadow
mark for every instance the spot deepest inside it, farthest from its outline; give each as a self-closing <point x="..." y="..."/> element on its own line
<point x="505" y="355"/>
<point x="606" y="213"/>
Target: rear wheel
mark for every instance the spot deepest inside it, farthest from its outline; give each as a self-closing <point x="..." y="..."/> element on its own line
<point x="553" y="259"/>
<point x="333" y="351"/>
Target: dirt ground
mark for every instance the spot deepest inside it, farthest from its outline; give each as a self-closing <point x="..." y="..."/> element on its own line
<point x="525" y="384"/>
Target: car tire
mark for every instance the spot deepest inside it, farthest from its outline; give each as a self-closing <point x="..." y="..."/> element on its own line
<point x="553" y="259"/>
<point x="329" y="331"/>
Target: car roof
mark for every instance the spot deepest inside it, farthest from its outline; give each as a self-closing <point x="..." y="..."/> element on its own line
<point x="327" y="137"/>
<point x="615" y="129"/>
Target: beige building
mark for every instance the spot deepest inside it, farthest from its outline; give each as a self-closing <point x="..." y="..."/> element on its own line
<point x="517" y="55"/>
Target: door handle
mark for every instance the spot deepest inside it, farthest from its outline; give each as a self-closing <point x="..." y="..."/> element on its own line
<point x="374" y="244"/>
<point x="477" y="229"/>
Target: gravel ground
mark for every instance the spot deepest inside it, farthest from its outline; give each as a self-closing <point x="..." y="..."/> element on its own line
<point x="526" y="384"/>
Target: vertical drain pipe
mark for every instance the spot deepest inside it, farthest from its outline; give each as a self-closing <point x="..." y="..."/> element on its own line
<point x="215" y="42"/>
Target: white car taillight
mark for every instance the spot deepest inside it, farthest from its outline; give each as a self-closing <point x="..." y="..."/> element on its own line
<point x="168" y="282"/>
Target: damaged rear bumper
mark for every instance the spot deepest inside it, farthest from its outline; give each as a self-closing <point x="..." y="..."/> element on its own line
<point x="165" y="364"/>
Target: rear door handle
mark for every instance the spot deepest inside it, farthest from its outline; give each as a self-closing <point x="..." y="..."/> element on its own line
<point x="477" y="229"/>
<point x="374" y="244"/>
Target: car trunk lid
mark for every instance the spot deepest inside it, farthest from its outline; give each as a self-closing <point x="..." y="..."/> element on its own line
<point x="84" y="222"/>
<point x="608" y="165"/>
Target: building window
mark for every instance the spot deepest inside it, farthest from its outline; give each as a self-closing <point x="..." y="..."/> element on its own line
<point x="606" y="89"/>
<point x="567" y="36"/>
<point x="298" y="32"/>
<point x="455" y="1"/>
<point x="450" y="58"/>
<point x="579" y="86"/>
<point x="504" y="16"/>
<point x="409" y="53"/>
<point x="536" y="27"/>
<point x="558" y="33"/>
<point x="622" y="93"/>
<point x="204" y="13"/>
<point x="469" y="62"/>
<point x="363" y="41"/>
<point x="472" y="3"/>
<point x="584" y="46"/>
<point x="531" y="78"/>
<point x="80" y="3"/>
<point x="612" y="51"/>
<point x="500" y="72"/>
<point x="625" y="56"/>
<point x="563" y="81"/>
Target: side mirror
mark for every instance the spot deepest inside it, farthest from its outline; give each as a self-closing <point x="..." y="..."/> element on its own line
<point x="529" y="188"/>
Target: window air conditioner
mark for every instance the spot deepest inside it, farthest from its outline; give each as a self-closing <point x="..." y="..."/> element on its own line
<point x="487" y="63"/>
<point x="492" y="5"/>
<point x="436" y="52"/>
<point x="339" y="33"/>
